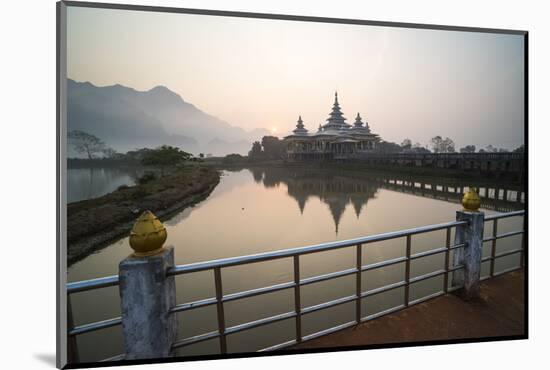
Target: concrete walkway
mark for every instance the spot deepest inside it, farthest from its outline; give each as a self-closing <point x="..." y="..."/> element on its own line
<point x="498" y="312"/>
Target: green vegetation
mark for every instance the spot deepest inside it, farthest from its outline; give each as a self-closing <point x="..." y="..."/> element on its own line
<point x="165" y="156"/>
<point x="146" y="178"/>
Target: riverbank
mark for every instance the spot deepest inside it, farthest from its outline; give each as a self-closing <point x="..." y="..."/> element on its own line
<point x="92" y="223"/>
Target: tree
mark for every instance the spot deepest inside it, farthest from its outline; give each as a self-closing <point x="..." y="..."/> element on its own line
<point x="436" y="143"/>
<point x="85" y="143"/>
<point x="418" y="148"/>
<point x="406" y="144"/>
<point x="273" y="147"/>
<point x="109" y="153"/>
<point x="490" y="149"/>
<point x="165" y="156"/>
<point x="519" y="149"/>
<point x="256" y="151"/>
<point x="386" y="147"/>
<point x="233" y="158"/>
<point x="441" y="145"/>
<point x="201" y="155"/>
<point x="468" y="149"/>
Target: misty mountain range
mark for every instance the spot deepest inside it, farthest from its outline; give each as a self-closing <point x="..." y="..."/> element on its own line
<point x="127" y="119"/>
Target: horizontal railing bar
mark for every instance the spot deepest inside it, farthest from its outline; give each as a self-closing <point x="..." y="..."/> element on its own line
<point x="257" y="291"/>
<point x="503" y="254"/>
<point x="332" y="275"/>
<point x="81" y="286"/>
<point x="329" y="331"/>
<point x="454" y="268"/>
<point x="436" y="251"/>
<point x="322" y="306"/>
<point x="456" y="246"/>
<point x="504" y="215"/>
<point x="428" y="253"/>
<point x="284" y="253"/>
<point x="426" y="276"/>
<point x="191" y="305"/>
<point x="383" y="313"/>
<point x="114" y="358"/>
<point x="505" y="235"/>
<point x="196" y="339"/>
<point x="383" y="289"/>
<point x="230" y="297"/>
<point x="511" y="233"/>
<point x="376" y="265"/>
<point x="86" y="328"/>
<point x="279" y="346"/>
<point x="508" y="253"/>
<point x="260" y="322"/>
<point x="507" y="270"/>
<point x="426" y="298"/>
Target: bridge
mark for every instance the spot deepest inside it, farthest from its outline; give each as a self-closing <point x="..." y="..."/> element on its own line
<point x="146" y="282"/>
<point x="510" y="163"/>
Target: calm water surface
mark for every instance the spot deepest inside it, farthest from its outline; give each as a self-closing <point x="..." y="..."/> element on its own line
<point x="86" y="183"/>
<point x="253" y="211"/>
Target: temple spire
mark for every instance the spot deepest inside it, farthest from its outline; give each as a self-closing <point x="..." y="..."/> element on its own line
<point x="300" y="128"/>
<point x="336" y="119"/>
<point x="358" y="121"/>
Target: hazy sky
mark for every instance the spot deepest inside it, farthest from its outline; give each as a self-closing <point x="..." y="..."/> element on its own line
<point x="406" y="83"/>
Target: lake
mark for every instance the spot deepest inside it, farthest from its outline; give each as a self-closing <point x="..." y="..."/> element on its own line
<point x="260" y="210"/>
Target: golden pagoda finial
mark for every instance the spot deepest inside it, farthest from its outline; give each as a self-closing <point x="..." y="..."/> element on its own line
<point x="148" y="235"/>
<point x="471" y="201"/>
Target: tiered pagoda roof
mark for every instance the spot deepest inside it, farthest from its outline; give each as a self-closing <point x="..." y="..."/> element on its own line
<point x="336" y="119"/>
<point x="358" y="126"/>
<point x="336" y="127"/>
<point x="300" y="129"/>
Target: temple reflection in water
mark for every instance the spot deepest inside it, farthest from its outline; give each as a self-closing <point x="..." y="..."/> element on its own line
<point x="340" y="189"/>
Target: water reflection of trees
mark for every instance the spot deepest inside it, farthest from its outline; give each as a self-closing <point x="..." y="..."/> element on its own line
<point x="338" y="189"/>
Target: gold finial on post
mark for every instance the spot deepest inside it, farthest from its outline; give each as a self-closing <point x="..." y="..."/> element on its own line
<point x="471" y="201"/>
<point x="148" y="235"/>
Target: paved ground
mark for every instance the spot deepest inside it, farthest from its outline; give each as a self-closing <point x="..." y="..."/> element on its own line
<point x="498" y="312"/>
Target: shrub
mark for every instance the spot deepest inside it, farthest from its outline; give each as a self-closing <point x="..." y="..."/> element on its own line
<point x="147" y="177"/>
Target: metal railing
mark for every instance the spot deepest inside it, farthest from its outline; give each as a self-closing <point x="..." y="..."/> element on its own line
<point x="297" y="282"/>
<point x="493" y="239"/>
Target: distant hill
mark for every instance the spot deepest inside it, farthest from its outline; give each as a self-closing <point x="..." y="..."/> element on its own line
<point x="127" y="119"/>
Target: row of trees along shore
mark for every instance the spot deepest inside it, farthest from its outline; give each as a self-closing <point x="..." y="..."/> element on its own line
<point x="95" y="149"/>
<point x="269" y="148"/>
<point x="272" y="147"/>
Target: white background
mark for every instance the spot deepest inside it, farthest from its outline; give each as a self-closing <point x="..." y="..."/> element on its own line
<point x="27" y="152"/>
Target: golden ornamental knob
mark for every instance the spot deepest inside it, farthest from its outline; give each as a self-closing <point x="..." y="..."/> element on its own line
<point x="471" y="201"/>
<point x="148" y="235"/>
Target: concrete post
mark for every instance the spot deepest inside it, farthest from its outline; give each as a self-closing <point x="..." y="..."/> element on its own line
<point x="146" y="296"/>
<point x="469" y="256"/>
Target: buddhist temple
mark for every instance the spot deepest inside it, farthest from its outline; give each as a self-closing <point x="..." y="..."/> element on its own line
<point x="336" y="139"/>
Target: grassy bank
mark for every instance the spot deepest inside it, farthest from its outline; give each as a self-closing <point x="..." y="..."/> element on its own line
<point x="92" y="223"/>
